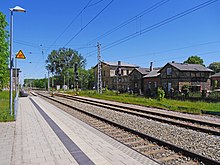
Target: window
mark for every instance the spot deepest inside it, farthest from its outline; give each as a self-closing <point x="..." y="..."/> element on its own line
<point x="187" y="74"/>
<point x="193" y="74"/>
<point x="112" y="73"/>
<point x="135" y="85"/>
<point x="149" y="84"/>
<point x="155" y="84"/>
<point x="183" y="74"/>
<point x="103" y="73"/>
<point x="127" y="72"/>
<point x="122" y="72"/>
<point x="198" y="74"/>
<point x="169" y="71"/>
<point x="169" y="85"/>
<point x="202" y="74"/>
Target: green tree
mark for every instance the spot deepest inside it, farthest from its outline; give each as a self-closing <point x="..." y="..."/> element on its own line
<point x="215" y="66"/>
<point x="63" y="59"/>
<point x="194" y="60"/>
<point x="36" y="83"/>
<point x="40" y="83"/>
<point x="4" y="52"/>
<point x="62" y="62"/>
<point x="91" y="78"/>
<point x="86" y="78"/>
<point x="28" y="82"/>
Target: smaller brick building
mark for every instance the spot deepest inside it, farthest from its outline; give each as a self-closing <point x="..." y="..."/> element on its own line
<point x="175" y="75"/>
<point x="136" y="79"/>
<point x="151" y="82"/>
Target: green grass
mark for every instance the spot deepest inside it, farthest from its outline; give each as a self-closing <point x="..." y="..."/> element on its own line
<point x="4" y="107"/>
<point x="175" y="105"/>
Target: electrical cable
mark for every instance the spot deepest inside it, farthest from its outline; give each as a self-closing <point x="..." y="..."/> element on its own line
<point x="152" y="27"/>
<point x="141" y="14"/>
<point x="26" y="44"/>
<point x="169" y="59"/>
<point x="157" y="25"/>
<point x="174" y="49"/>
<point x="89" y="23"/>
<point x="45" y="46"/>
<point x="95" y="3"/>
<point x="73" y="20"/>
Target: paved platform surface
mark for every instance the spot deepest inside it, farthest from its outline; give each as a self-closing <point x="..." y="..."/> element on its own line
<point x="6" y="141"/>
<point x="34" y="140"/>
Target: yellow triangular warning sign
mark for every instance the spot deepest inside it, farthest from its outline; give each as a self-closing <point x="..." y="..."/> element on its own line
<point x="20" y="55"/>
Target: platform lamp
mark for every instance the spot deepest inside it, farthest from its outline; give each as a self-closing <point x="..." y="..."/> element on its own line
<point x="15" y="9"/>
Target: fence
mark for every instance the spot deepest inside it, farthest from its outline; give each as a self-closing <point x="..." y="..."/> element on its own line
<point x="16" y="105"/>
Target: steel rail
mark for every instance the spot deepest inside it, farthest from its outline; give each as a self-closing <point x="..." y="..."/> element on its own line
<point x="143" y="113"/>
<point x="173" y="147"/>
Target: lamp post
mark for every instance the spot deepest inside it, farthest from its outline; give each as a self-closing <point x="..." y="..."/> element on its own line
<point x="16" y="9"/>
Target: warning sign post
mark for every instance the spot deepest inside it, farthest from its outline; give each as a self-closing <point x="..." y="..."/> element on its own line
<point x="20" y="55"/>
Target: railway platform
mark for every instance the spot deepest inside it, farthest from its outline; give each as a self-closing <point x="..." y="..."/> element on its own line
<point x="44" y="134"/>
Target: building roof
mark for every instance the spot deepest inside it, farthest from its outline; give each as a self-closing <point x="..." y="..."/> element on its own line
<point x="143" y="71"/>
<point x="216" y="75"/>
<point x="123" y="64"/>
<point x="190" y="67"/>
<point x="153" y="73"/>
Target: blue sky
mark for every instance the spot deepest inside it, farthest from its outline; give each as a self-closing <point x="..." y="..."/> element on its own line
<point x="194" y="34"/>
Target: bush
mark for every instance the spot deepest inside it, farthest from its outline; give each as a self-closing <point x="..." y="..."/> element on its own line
<point x="214" y="95"/>
<point x="160" y="94"/>
<point x="185" y="90"/>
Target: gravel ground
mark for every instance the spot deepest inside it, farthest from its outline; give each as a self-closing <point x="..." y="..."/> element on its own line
<point x="203" y="117"/>
<point x="201" y="143"/>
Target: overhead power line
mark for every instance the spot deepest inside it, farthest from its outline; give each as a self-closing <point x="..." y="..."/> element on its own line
<point x="95" y="3"/>
<point x="157" y="25"/>
<point x="26" y="44"/>
<point x="73" y="20"/>
<point x="130" y="20"/>
<point x="170" y="59"/>
<point x="89" y="23"/>
<point x="154" y="26"/>
<point x="174" y="49"/>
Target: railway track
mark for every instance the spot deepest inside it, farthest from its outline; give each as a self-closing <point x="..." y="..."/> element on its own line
<point x="198" y="125"/>
<point x="159" y="150"/>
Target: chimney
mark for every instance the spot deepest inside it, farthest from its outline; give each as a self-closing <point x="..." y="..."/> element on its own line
<point x="173" y="61"/>
<point x="151" y="66"/>
<point x="119" y="63"/>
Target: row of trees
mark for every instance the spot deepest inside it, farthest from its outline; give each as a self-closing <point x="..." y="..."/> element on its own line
<point x="61" y="63"/>
<point x="4" y="53"/>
